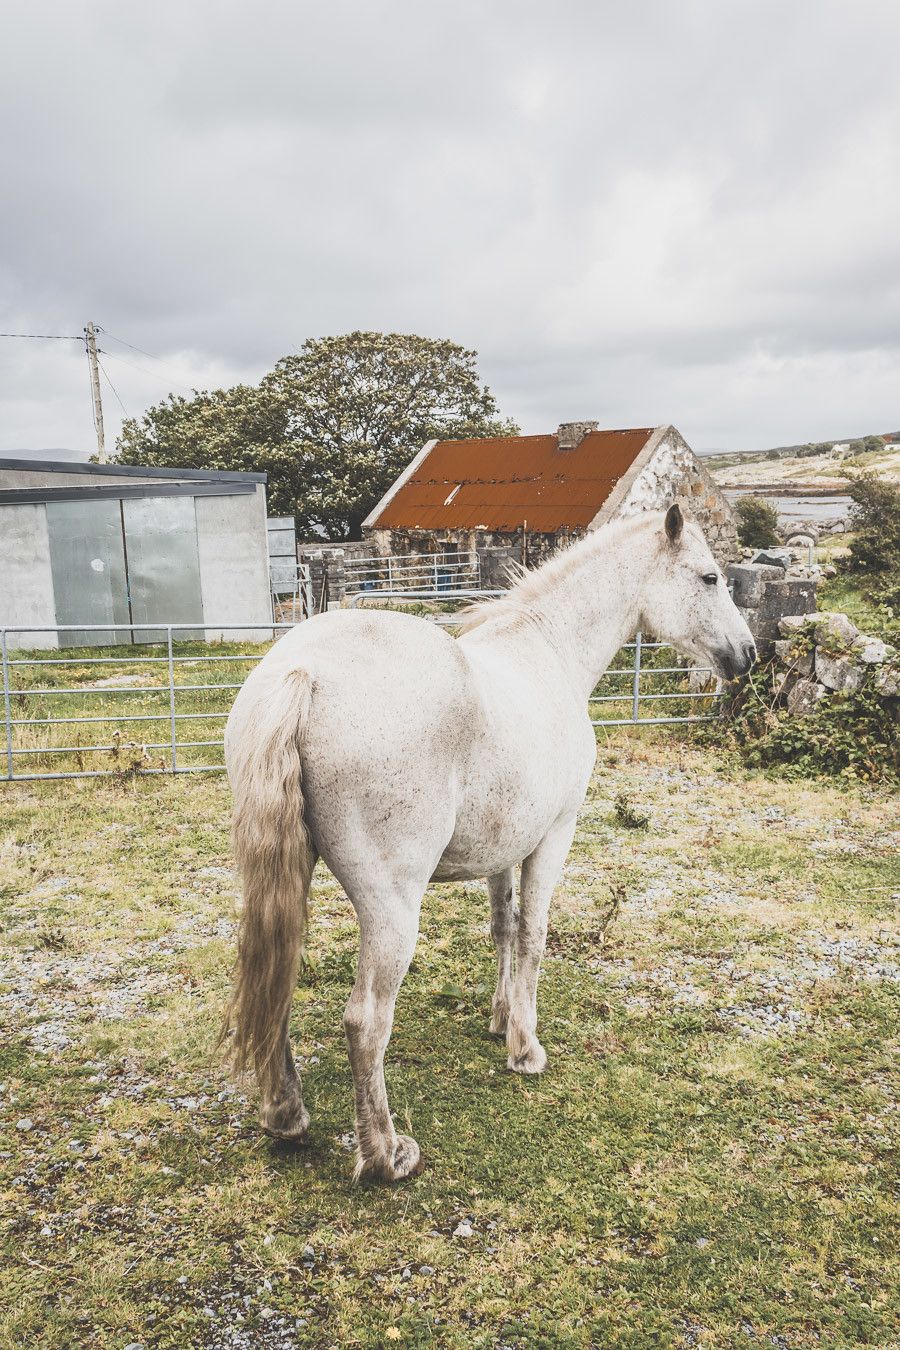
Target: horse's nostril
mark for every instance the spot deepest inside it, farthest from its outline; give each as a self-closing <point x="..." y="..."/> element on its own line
<point x="748" y="651"/>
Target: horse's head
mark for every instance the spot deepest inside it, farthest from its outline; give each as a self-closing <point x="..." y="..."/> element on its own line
<point x="686" y="602"/>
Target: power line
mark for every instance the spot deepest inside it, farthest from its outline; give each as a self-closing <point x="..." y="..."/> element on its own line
<point x="47" y="337"/>
<point x="108" y="334"/>
<point x="112" y="387"/>
<point x="142" y="352"/>
<point x="153" y="373"/>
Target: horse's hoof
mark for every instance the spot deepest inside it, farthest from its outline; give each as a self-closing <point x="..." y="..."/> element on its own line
<point x="405" y="1161"/>
<point x="534" y="1060"/>
<point x="290" y="1128"/>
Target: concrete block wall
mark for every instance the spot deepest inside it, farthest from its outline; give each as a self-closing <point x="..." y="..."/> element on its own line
<point x="234" y="564"/>
<point x="26" y="581"/>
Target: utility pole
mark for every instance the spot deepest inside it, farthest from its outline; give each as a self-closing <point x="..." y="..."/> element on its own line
<point x="90" y="346"/>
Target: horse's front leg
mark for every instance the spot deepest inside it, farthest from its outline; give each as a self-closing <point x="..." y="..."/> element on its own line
<point x="504" y="921"/>
<point x="540" y="873"/>
<point x="389" y="926"/>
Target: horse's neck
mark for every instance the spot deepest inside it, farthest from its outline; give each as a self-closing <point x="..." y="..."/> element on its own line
<point x="590" y="607"/>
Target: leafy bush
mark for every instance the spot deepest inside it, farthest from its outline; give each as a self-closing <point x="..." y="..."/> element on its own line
<point x="874" y="555"/>
<point x="851" y="735"/>
<point x="757" y="522"/>
<point x="875" y="522"/>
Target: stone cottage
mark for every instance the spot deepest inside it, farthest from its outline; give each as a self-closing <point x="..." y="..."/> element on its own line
<point x="525" y="496"/>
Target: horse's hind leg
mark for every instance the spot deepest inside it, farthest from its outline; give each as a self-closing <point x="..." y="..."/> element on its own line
<point x="389" y="927"/>
<point x="504" y="922"/>
<point x="540" y="873"/>
<point x="281" y="1112"/>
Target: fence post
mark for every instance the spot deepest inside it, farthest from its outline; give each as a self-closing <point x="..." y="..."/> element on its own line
<point x="636" y="682"/>
<point x="390" y="574"/>
<point x="172" y="701"/>
<point x="7" y="717"/>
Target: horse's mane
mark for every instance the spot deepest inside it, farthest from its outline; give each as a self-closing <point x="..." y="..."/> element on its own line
<point x="530" y="585"/>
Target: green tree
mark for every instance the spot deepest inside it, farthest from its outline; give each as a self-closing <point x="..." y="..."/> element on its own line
<point x="875" y="522"/>
<point x="332" y="426"/>
<point x="757" y="522"/>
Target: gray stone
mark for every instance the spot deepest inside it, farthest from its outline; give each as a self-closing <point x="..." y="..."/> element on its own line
<point x="779" y="598"/>
<point x="803" y="696"/>
<point x="837" y="672"/>
<point x="789" y="624"/>
<point x="871" y="650"/>
<point x="772" y="557"/>
<point x="887" y="681"/>
<point x="790" y="654"/>
<point x="834" y="629"/>
<point x="700" y="678"/>
<point x="748" y="581"/>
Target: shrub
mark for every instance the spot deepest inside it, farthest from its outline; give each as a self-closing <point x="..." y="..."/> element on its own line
<point x="875" y="521"/>
<point x="757" y="522"/>
<point x="850" y="735"/>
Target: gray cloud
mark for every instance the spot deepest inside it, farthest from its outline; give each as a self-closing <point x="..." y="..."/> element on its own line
<point x="650" y="212"/>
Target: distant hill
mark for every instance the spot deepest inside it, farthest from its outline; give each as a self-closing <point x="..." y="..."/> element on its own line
<point x="60" y="453"/>
<point x="729" y="459"/>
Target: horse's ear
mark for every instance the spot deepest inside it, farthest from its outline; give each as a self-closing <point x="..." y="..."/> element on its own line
<point x="674" y="523"/>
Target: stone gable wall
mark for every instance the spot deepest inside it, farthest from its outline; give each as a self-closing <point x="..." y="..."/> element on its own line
<point x="674" y="473"/>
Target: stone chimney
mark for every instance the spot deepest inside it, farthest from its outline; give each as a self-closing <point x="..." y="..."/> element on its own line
<point x="570" y="434"/>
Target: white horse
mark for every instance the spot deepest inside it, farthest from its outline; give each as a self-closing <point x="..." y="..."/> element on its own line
<point x="377" y="742"/>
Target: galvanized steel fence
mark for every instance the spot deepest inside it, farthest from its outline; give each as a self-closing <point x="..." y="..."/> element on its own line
<point x="637" y="694"/>
<point x="34" y="713"/>
<point x="437" y="573"/>
<point x="166" y="697"/>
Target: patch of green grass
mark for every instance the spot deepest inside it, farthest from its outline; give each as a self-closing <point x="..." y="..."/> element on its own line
<point x="844" y="593"/>
<point x="694" y="1168"/>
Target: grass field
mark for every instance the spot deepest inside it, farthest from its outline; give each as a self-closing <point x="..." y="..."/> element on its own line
<point x="707" y="1161"/>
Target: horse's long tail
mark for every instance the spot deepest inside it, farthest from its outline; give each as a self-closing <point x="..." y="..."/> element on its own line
<point x="275" y="860"/>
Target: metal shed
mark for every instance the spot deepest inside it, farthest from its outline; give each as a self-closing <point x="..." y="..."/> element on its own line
<point x="112" y="544"/>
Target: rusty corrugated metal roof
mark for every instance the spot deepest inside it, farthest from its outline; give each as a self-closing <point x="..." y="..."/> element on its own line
<point x="499" y="484"/>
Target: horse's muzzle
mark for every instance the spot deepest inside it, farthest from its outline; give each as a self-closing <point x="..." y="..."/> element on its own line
<point x="733" y="662"/>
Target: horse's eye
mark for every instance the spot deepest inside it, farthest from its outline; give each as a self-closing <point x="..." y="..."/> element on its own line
<point x="711" y="578"/>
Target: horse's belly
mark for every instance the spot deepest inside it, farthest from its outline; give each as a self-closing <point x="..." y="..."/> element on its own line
<point x="496" y="829"/>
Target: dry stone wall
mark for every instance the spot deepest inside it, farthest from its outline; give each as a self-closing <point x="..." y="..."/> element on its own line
<point x="825" y="654"/>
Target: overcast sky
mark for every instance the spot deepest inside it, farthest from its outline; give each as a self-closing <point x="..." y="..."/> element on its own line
<point x="677" y="211"/>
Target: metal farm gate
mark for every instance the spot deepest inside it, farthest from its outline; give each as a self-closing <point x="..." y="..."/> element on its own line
<point x="450" y="571"/>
